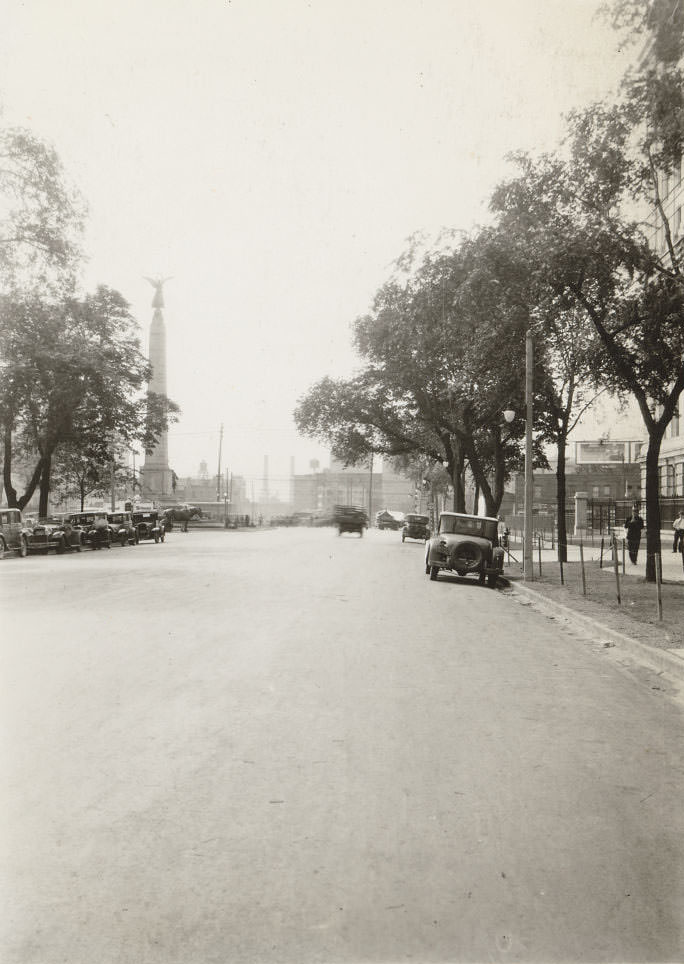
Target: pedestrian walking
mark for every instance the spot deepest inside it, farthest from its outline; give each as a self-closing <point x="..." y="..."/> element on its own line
<point x="678" y="526"/>
<point x="633" y="526"/>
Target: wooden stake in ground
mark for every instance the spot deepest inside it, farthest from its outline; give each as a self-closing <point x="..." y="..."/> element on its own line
<point x="623" y="557"/>
<point x="616" y="567"/>
<point x="659" y="583"/>
<point x="601" y="556"/>
<point x="584" y="578"/>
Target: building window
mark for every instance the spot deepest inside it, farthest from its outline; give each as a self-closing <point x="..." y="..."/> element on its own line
<point x="606" y="491"/>
<point x="595" y="491"/>
<point x="679" y="478"/>
<point x="670" y="479"/>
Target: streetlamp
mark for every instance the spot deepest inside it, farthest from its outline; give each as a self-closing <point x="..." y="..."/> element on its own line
<point x="509" y="415"/>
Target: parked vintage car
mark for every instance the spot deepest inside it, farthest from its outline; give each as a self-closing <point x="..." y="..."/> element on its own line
<point x="416" y="527"/>
<point x="55" y="533"/>
<point x="466" y="544"/>
<point x="123" y="530"/>
<point x="350" y="518"/>
<point x="149" y="525"/>
<point x="389" y="520"/>
<point x="13" y="533"/>
<point x="94" y="526"/>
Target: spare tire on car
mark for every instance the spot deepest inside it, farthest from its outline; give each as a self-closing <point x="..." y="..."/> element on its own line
<point x="466" y="557"/>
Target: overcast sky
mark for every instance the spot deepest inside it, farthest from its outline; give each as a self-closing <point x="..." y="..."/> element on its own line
<point x="273" y="156"/>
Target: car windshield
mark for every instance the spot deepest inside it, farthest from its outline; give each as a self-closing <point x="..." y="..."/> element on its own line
<point x="455" y="525"/>
<point x="417" y="518"/>
<point x="87" y="518"/>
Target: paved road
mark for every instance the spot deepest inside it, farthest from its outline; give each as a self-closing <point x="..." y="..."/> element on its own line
<point x="285" y="746"/>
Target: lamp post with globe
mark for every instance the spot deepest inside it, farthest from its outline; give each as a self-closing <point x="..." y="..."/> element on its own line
<point x="509" y="415"/>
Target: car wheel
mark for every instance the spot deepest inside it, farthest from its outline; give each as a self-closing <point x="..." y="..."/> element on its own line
<point x="60" y="547"/>
<point x="23" y="548"/>
<point x="123" y="539"/>
<point x="79" y="545"/>
<point x="403" y="537"/>
<point x="433" y="572"/>
<point x="156" y="537"/>
<point x="427" y="568"/>
<point x="162" y="536"/>
<point x="482" y="576"/>
<point x="492" y="580"/>
<point x="3" y="547"/>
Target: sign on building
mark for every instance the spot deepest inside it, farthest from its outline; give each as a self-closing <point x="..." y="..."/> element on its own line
<point x="592" y="453"/>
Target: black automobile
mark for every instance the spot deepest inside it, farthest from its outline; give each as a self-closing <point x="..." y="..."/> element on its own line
<point x="149" y="525"/>
<point x="123" y="530"/>
<point x="416" y="527"/>
<point x="55" y="533"/>
<point x="94" y="526"/>
<point x="13" y="533"/>
<point x="350" y="518"/>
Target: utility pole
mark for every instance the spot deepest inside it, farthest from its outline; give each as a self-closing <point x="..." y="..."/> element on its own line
<point x="370" y="489"/>
<point x="528" y="564"/>
<point x="218" y="474"/>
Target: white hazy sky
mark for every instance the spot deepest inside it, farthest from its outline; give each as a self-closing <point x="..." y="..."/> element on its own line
<point x="273" y="156"/>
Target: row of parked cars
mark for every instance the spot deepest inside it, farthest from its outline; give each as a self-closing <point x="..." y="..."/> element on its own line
<point x="73" y="531"/>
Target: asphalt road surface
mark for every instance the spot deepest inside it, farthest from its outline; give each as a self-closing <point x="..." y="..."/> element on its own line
<point x="289" y="746"/>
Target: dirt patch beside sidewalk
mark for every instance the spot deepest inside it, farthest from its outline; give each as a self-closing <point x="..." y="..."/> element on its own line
<point x="637" y="616"/>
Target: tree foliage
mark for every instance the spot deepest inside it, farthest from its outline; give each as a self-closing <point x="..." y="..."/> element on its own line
<point x="74" y="377"/>
<point x="41" y="215"/>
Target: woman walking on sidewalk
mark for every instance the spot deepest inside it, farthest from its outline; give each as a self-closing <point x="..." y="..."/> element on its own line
<point x="633" y="526"/>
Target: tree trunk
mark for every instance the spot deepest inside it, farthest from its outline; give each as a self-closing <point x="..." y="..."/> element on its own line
<point x="456" y="468"/>
<point x="476" y="497"/>
<point x="31" y="487"/>
<point x="652" y="504"/>
<point x="10" y="491"/>
<point x="560" y="500"/>
<point x="44" y="487"/>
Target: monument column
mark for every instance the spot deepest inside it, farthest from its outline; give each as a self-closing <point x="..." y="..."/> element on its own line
<point x="156" y="471"/>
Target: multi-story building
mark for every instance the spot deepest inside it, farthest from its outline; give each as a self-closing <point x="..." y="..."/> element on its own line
<point x="376" y="488"/>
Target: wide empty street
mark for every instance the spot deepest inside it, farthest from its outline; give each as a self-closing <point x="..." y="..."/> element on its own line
<point x="290" y="746"/>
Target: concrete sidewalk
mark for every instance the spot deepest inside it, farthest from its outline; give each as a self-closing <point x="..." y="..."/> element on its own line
<point x="672" y="562"/>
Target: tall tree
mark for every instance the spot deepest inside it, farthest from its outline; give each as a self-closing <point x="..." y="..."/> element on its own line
<point x="577" y="213"/>
<point x="433" y="382"/>
<point x="74" y="376"/>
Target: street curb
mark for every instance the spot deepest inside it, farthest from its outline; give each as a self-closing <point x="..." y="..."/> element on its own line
<point x="659" y="659"/>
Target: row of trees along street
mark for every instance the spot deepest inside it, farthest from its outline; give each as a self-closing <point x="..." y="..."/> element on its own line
<point x="567" y="256"/>
<point x="72" y="371"/>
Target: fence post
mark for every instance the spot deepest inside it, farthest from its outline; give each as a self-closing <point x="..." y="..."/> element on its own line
<point x="584" y="578"/>
<point x="616" y="567"/>
<point x="540" y="549"/>
<point x="560" y="562"/>
<point x="659" y="583"/>
<point x="623" y="557"/>
<point x="601" y="556"/>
